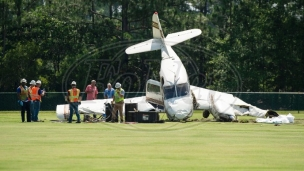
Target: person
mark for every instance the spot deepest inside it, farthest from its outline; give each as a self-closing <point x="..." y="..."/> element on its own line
<point x="32" y="84"/>
<point x="92" y="92"/>
<point x="73" y="99"/>
<point x="118" y="100"/>
<point x="36" y="95"/>
<point x="22" y="94"/>
<point x="109" y="92"/>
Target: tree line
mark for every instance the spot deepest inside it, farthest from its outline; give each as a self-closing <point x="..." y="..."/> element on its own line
<point x="245" y="45"/>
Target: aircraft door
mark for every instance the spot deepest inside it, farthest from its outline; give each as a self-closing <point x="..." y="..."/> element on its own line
<point x="153" y="92"/>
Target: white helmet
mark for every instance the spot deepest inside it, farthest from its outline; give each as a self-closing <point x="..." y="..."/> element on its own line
<point x="73" y="83"/>
<point x="38" y="82"/>
<point x="23" y="80"/>
<point x="33" y="82"/>
<point x="117" y="85"/>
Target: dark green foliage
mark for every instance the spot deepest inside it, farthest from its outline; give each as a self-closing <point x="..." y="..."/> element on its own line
<point x="245" y="45"/>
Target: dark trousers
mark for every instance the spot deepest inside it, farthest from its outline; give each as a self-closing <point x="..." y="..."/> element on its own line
<point x="74" y="107"/>
<point x="26" y="107"/>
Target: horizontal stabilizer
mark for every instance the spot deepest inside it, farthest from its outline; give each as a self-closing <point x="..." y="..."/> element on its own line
<point x="175" y="38"/>
<point x="149" y="45"/>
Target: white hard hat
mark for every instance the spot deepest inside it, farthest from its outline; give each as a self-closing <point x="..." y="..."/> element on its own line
<point x="73" y="83"/>
<point x="38" y="82"/>
<point x="33" y="82"/>
<point x="117" y="85"/>
<point x="23" y="80"/>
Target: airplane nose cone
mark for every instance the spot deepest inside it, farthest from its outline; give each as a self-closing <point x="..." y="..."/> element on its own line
<point x="179" y="108"/>
<point x="181" y="114"/>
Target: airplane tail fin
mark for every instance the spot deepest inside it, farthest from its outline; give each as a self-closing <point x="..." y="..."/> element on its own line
<point x="156" y="27"/>
<point x="159" y="40"/>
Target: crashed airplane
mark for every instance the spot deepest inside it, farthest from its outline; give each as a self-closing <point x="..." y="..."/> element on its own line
<point x="173" y="90"/>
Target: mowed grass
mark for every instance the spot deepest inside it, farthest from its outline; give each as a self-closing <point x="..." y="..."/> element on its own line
<point x="202" y="145"/>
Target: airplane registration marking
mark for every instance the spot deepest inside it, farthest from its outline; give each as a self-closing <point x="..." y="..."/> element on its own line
<point x="154" y="24"/>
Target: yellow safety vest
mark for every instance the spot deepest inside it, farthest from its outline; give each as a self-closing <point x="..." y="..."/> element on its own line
<point x="117" y="97"/>
<point x="23" y="93"/>
<point x="74" y="94"/>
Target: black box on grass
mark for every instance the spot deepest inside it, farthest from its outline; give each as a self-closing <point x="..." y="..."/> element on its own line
<point x="130" y="108"/>
<point x="147" y="117"/>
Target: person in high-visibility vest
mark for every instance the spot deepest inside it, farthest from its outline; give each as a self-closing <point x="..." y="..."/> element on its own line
<point x="22" y="94"/>
<point x="118" y="100"/>
<point x="36" y="95"/>
<point x="32" y="85"/>
<point x="73" y="100"/>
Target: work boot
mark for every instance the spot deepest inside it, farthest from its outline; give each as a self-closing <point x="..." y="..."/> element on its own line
<point x="78" y="122"/>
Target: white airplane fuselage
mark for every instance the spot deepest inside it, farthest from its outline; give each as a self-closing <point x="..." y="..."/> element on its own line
<point x="174" y="82"/>
<point x="175" y="86"/>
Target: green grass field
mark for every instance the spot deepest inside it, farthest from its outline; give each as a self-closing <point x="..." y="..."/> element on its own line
<point x="204" y="145"/>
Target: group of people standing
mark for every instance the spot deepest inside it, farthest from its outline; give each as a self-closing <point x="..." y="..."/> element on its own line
<point x="29" y="98"/>
<point x="74" y="99"/>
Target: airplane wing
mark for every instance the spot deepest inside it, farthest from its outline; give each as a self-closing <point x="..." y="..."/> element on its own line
<point x="149" y="45"/>
<point x="175" y="38"/>
<point x="98" y="106"/>
<point x="219" y="103"/>
<point x="86" y="107"/>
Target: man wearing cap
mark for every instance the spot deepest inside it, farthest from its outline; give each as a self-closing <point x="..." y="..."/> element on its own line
<point x="118" y="98"/>
<point x="109" y="92"/>
<point x="22" y="94"/>
<point x="36" y="95"/>
<point x="92" y="92"/>
<point x="32" y="85"/>
<point x="73" y="100"/>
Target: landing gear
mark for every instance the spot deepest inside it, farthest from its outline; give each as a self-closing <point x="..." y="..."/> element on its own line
<point x="206" y="113"/>
<point x="170" y="118"/>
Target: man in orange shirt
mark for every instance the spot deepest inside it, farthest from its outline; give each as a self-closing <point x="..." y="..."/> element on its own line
<point x="32" y="85"/>
<point x="36" y="95"/>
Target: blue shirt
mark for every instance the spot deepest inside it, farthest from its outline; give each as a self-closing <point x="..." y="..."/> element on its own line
<point x="39" y="91"/>
<point x="19" y="89"/>
<point x="109" y="93"/>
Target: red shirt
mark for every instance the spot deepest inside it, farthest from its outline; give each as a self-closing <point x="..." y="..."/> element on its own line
<point x="91" y="92"/>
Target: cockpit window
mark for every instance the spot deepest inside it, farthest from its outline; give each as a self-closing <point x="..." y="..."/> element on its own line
<point x="176" y="91"/>
<point x="153" y="89"/>
<point x="182" y="89"/>
<point x="169" y="92"/>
